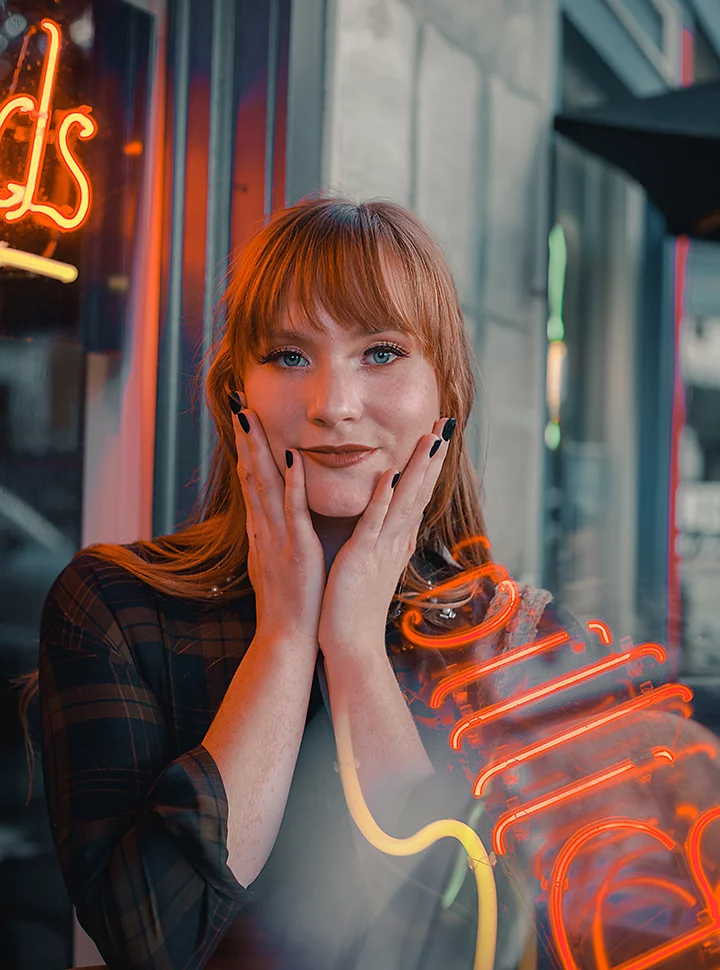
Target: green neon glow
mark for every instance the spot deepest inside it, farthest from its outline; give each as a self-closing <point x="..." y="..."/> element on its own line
<point x="461" y="866"/>
<point x="552" y="435"/>
<point x="557" y="268"/>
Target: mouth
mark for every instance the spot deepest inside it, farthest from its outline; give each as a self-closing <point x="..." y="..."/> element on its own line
<point x="339" y="459"/>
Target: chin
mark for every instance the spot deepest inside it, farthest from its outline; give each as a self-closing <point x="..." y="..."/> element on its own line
<point x="337" y="506"/>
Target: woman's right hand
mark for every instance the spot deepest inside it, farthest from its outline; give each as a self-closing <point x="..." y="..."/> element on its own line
<point x="286" y="563"/>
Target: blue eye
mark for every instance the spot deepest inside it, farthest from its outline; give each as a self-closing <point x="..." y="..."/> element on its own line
<point x="378" y="348"/>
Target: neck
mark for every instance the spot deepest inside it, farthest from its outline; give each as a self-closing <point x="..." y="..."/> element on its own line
<point x="333" y="534"/>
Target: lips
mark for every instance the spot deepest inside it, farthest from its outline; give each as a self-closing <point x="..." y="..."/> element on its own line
<point x="339" y="459"/>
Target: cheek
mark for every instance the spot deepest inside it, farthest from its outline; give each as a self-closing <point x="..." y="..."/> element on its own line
<point x="415" y="406"/>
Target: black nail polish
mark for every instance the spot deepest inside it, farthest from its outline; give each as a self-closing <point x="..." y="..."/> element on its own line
<point x="396" y="479"/>
<point x="244" y="423"/>
<point x="435" y="447"/>
<point x="288" y="458"/>
<point x="449" y="430"/>
<point x="234" y="402"/>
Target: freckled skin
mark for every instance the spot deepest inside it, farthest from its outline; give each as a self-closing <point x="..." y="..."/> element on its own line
<point x="336" y="391"/>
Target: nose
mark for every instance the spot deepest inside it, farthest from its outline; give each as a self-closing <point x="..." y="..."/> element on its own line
<point x="334" y="395"/>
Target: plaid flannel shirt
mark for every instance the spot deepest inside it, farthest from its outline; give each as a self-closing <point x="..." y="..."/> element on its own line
<point x="130" y="681"/>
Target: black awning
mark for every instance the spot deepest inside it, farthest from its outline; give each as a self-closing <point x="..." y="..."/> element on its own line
<point x="670" y="144"/>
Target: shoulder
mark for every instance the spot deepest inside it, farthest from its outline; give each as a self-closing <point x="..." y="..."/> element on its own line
<point x="95" y="594"/>
<point x="89" y="575"/>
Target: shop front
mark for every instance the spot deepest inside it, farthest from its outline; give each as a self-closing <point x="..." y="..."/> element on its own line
<point x="632" y="364"/>
<point x="140" y="143"/>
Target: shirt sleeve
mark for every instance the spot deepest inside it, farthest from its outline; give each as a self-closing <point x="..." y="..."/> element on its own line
<point x="141" y="839"/>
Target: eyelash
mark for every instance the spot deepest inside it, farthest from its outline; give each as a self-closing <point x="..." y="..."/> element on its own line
<point x="282" y="352"/>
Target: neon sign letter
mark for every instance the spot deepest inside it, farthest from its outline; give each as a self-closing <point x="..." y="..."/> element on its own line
<point x="556" y="793"/>
<point x="22" y="199"/>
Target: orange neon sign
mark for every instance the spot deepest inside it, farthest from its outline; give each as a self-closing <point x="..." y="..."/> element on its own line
<point x="556" y="852"/>
<point x="23" y="199"/>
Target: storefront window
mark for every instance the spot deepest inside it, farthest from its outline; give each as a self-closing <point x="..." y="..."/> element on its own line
<point x="592" y="495"/>
<point x="596" y="259"/>
<point x="73" y="113"/>
<point x="699" y="491"/>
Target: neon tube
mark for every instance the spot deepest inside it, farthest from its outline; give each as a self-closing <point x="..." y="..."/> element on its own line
<point x="542" y="747"/>
<point x="445" y="828"/>
<point x="495" y="711"/>
<point x="21" y="200"/>
<point x="19" y="259"/>
<point x="557" y="790"/>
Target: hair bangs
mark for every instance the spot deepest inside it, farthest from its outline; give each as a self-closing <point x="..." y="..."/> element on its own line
<point x="362" y="279"/>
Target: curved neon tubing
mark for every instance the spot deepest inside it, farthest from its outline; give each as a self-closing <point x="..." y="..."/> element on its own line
<point x="445" y="828"/>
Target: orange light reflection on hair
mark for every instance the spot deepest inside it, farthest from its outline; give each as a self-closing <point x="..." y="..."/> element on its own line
<point x="21" y="202"/>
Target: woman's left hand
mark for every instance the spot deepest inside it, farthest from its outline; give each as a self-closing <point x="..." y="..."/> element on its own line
<point x="365" y="572"/>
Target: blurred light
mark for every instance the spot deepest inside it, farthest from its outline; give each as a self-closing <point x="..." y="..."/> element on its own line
<point x="82" y="30"/>
<point x="552" y="435"/>
<point x="557" y="351"/>
<point x="133" y="148"/>
<point x="118" y="283"/>
<point x="555" y="377"/>
<point x="13" y="26"/>
<point x="557" y="268"/>
<point x="41" y="265"/>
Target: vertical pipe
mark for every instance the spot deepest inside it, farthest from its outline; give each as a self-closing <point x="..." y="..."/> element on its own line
<point x="682" y="250"/>
<point x="167" y="437"/>
<point x="272" y="72"/>
<point x="219" y="192"/>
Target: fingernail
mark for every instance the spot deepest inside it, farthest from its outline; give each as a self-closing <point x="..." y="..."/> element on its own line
<point x="288" y="458"/>
<point x="244" y="423"/>
<point x="396" y="479"/>
<point x="234" y="402"/>
<point x="449" y="430"/>
<point x="435" y="447"/>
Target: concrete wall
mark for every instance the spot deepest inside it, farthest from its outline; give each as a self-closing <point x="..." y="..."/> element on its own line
<point x="445" y="106"/>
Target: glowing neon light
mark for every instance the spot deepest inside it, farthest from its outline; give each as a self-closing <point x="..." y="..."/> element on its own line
<point x="659" y="953"/>
<point x="601" y="958"/>
<point x="562" y="795"/>
<point x="472" y="721"/>
<point x="572" y="843"/>
<point x="478" y="859"/>
<point x="609" y="885"/>
<point x="692" y="846"/>
<point x="562" y="865"/>
<point x="21" y="202"/>
<point x="602" y="629"/>
<point x="18" y="259"/>
<point x="627" y="769"/>
<point x="475" y="671"/>
<point x="412" y="617"/>
<point x="658" y="696"/>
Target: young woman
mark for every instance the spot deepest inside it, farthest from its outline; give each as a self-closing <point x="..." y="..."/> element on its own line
<point x="187" y="684"/>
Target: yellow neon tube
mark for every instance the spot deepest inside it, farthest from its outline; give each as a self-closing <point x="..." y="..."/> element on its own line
<point x="19" y="259"/>
<point x="445" y="828"/>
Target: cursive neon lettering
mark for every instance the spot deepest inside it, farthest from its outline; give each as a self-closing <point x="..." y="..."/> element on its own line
<point x="22" y="200"/>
